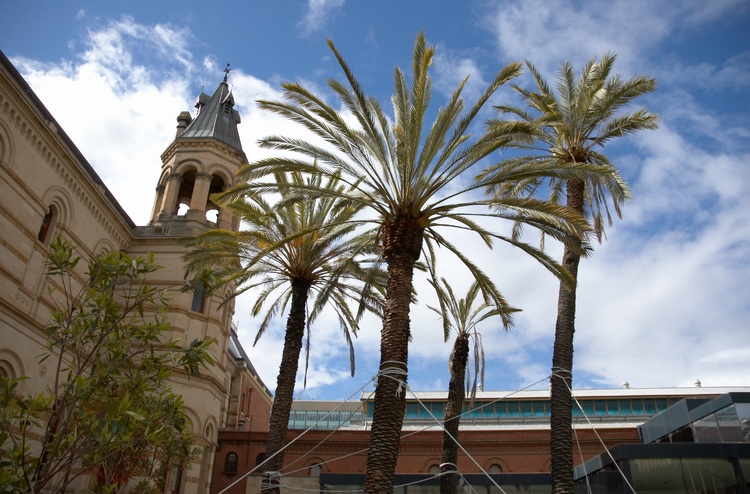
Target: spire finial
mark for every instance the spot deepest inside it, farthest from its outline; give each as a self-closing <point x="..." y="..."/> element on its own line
<point x="226" y="72"/>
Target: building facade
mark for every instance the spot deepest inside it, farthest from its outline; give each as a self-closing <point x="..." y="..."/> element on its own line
<point x="504" y="438"/>
<point x="48" y="189"/>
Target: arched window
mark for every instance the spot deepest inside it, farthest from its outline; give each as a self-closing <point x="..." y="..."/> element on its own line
<point x="260" y="459"/>
<point x="230" y="463"/>
<point x="48" y="224"/>
<point x="315" y="470"/>
<point x="199" y="298"/>
<point x="495" y="468"/>
<point x="434" y="470"/>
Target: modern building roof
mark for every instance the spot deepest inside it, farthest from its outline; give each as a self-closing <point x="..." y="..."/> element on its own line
<point x="216" y="118"/>
<point x="541" y="394"/>
<point x="686" y="412"/>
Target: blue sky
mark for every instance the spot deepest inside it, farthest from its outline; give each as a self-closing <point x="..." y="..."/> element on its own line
<point x="663" y="302"/>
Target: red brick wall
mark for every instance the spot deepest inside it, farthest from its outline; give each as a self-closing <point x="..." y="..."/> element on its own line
<point x="514" y="450"/>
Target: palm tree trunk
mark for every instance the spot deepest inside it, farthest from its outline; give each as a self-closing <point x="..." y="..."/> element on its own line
<point x="561" y="420"/>
<point x="456" y="396"/>
<point x="282" y="402"/>
<point x="402" y="243"/>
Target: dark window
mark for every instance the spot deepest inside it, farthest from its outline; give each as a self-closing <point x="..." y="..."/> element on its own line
<point x="539" y="409"/>
<point x="199" y="299"/>
<point x="588" y="407"/>
<point x="230" y="463"/>
<point x="260" y="459"/>
<point x="44" y="231"/>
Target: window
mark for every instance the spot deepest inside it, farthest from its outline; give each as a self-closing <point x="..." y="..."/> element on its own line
<point x="176" y="483"/>
<point x="588" y="407"/>
<point x="315" y="470"/>
<point x="230" y="463"/>
<point x="199" y="298"/>
<point x="45" y="231"/>
<point x="495" y="469"/>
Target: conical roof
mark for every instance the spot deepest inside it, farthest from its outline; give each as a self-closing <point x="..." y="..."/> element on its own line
<point x="216" y="118"/>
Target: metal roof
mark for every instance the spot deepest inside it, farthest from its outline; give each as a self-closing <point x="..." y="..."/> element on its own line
<point x="216" y="118"/>
<point x="542" y="394"/>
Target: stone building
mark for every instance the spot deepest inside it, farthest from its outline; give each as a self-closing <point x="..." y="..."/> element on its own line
<point x="48" y="189"/>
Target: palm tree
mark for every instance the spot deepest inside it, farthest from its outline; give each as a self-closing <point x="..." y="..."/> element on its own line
<point x="412" y="180"/>
<point x="462" y="316"/>
<point x="288" y="254"/>
<point x="565" y="130"/>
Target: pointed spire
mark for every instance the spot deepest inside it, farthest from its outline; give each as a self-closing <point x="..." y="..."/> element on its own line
<point x="216" y="117"/>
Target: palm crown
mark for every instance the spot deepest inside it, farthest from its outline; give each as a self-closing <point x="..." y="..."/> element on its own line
<point x="288" y="243"/>
<point x="566" y="129"/>
<point x="404" y="177"/>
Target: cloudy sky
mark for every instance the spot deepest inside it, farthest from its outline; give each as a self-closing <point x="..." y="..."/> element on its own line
<point x="663" y="302"/>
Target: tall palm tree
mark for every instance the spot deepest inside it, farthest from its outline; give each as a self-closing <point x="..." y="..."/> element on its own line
<point x="413" y="181"/>
<point x="566" y="129"/>
<point x="289" y="254"/>
<point x="462" y="315"/>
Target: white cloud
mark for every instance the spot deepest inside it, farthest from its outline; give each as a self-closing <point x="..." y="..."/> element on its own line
<point x="733" y="74"/>
<point x="318" y="14"/>
<point x="451" y="69"/>
<point x="549" y="32"/>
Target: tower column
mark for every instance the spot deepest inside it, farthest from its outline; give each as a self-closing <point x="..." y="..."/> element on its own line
<point x="157" y="202"/>
<point x="199" y="199"/>
<point x="171" y="196"/>
<point x="225" y="217"/>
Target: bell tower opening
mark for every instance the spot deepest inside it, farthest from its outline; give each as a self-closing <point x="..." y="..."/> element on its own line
<point x="184" y="197"/>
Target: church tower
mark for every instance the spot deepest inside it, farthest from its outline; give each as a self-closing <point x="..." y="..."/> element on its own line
<point x="201" y="160"/>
